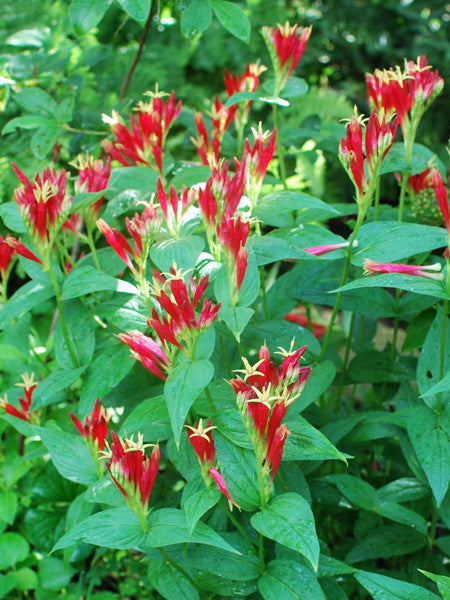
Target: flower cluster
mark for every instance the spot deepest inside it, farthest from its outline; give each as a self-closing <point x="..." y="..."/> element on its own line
<point x="362" y="159"/>
<point x="286" y="45"/>
<point x="263" y="396"/>
<point x="148" y="132"/>
<point x="93" y="177"/>
<point x="245" y="82"/>
<point x="133" y="472"/>
<point x="174" y="207"/>
<point x="24" y="412"/>
<point x="44" y="205"/>
<point x="7" y="255"/>
<point x="95" y="427"/>
<point x="202" y="442"/>
<point x="208" y="148"/>
<point x="442" y="198"/>
<point x="180" y="329"/>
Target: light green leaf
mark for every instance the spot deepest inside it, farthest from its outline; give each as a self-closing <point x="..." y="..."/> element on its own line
<point x="150" y="417"/>
<point x="137" y="9"/>
<point x="281" y="582"/>
<point x="307" y="443"/>
<point x="387" y="588"/>
<point x="86" y="14"/>
<point x="86" y="280"/>
<point x="233" y="18"/>
<point x="196" y="505"/>
<point x="44" y="139"/>
<point x="196" y="18"/>
<point x="288" y="520"/>
<point x="13" y="549"/>
<point x="182" y="251"/>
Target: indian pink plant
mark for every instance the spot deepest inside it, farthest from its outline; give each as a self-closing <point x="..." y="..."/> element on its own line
<point x="24" y="412"/>
<point x="372" y="267"/>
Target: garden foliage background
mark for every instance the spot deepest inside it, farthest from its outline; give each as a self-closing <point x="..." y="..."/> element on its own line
<point x="376" y="497"/>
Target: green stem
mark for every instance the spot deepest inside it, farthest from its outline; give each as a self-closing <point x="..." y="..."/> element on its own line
<point x="176" y="566"/>
<point x="377" y="199"/>
<point x="238" y="527"/>
<point x="345" y="363"/>
<point x="62" y="318"/>
<point x="401" y="202"/>
<point x="359" y="221"/>
<point x="90" y="241"/>
<point x="210" y="400"/>
<point x="280" y="149"/>
<point x="262" y="275"/>
<point x="443" y="336"/>
<point x="87" y="131"/>
<point x="262" y="564"/>
<point x="308" y="316"/>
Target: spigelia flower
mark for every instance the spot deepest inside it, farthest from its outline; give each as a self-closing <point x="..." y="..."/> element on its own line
<point x="182" y="326"/>
<point x="263" y="396"/>
<point x="257" y="160"/>
<point x="325" y="248"/>
<point x="232" y="234"/>
<point x="208" y="148"/>
<point x="371" y="267"/>
<point x="299" y="317"/>
<point x="43" y="205"/>
<point x="358" y="155"/>
<point x="24" y="412"/>
<point x="442" y="198"/>
<point x="143" y="229"/>
<point x="246" y="82"/>
<point x="286" y="45"/>
<point x="21" y="249"/>
<point x="146" y="138"/>
<point x="93" y="177"/>
<point x="408" y="93"/>
<point x="174" y="207"/>
<point x="148" y="352"/>
<point x="95" y="426"/>
<point x="133" y="472"/>
<point x="7" y="255"/>
<point x="202" y="442"/>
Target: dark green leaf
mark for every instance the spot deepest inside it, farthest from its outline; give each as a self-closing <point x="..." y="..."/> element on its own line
<point x="36" y="100"/>
<point x="43" y="140"/>
<point x="241" y="97"/>
<point x="371" y="366"/>
<point x="27" y="122"/>
<point x="196" y="18"/>
<point x="183" y="251"/>
<point x="281" y="582"/>
<point x="386" y="588"/>
<point x="357" y="491"/>
<point x="169" y="581"/>
<point x="320" y="378"/>
<point x="183" y="385"/>
<point x="307" y="443"/>
<point x="47" y="390"/>
<point x="86" y="280"/>
<point x="386" y="541"/>
<point x="233" y="18"/>
<point x="13" y="549"/>
<point x="27" y="297"/>
<point x="150" y="418"/>
<point x="54" y="574"/>
<point x="198" y="504"/>
<point x="410" y="283"/>
<point x="274" y="209"/>
<point x="288" y="520"/>
<point x="236" y="318"/>
<point x="84" y="200"/>
<point x="86" y="14"/>
<point x="116" y="528"/>
<point x="137" y="9"/>
<point x="168" y="526"/>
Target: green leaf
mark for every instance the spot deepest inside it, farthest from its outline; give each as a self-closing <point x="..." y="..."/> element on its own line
<point x="86" y="14"/>
<point x="86" y="280"/>
<point x="26" y="579"/>
<point x="187" y="379"/>
<point x="104" y="374"/>
<point x="281" y="582"/>
<point x="307" y="443"/>
<point x="13" y="549"/>
<point x="104" y="491"/>
<point x="141" y="179"/>
<point x="168" y="526"/>
<point x="124" y="312"/>
<point x="250" y="287"/>
<point x="395" y="161"/>
<point x="150" y="418"/>
<point x="400" y="514"/>
<point x="429" y="363"/>
<point x="196" y="505"/>
<point x="372" y="366"/>
<point x="27" y="297"/>
<point x="183" y="251"/>
<point x="442" y="581"/>
<point x="386" y="541"/>
<point x="10" y="213"/>
<point x="356" y="490"/>
<point x="84" y="200"/>
<point x="320" y="378"/>
<point x="43" y="140"/>
<point x="410" y="283"/>
<point x="428" y="433"/>
<point x="54" y="574"/>
<point x="390" y="241"/>
<point x="169" y="581"/>
<point x="288" y="520"/>
<point x="238" y="467"/>
<point x="441" y="386"/>
<point x="36" y="100"/>
<point x="295" y="87"/>
<point x="65" y="110"/>
<point x="233" y="18"/>
<point x="47" y="391"/>
<point x="241" y="97"/>
<point x="236" y="318"/>
<point x="8" y="507"/>
<point x="27" y="122"/>
<point x="80" y="329"/>
<point x="138" y="10"/>
<point x="274" y="209"/>
<point x="386" y="588"/>
<point x="116" y="528"/>
<point x="69" y="454"/>
<point x="196" y="18"/>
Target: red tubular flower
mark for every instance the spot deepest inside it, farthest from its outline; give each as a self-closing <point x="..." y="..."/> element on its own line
<point x="208" y="148"/>
<point x="7" y="254"/>
<point x="93" y="177"/>
<point x="43" y="205"/>
<point x="442" y="198"/>
<point x="183" y="327"/>
<point x="371" y="267"/>
<point x="295" y="316"/>
<point x="286" y="47"/>
<point x="263" y="397"/>
<point x="232" y="234"/>
<point x="203" y="444"/>
<point x="147" y="134"/>
<point x="380" y="136"/>
<point x="318" y="250"/>
<point x="95" y="426"/>
<point x="247" y="82"/>
<point x="21" y="249"/>
<point x="117" y="241"/>
<point x="174" y="208"/>
<point x="148" y="352"/>
<point x="24" y="413"/>
<point x="132" y="471"/>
